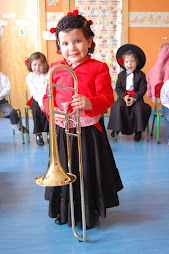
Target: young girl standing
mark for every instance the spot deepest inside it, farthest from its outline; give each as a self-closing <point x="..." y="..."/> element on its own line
<point x="129" y="114"/>
<point x="74" y="39"/>
<point x="36" y="81"/>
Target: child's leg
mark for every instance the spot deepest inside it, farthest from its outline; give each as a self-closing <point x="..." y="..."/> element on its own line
<point x="39" y="118"/>
<point x="118" y="120"/>
<point x="140" y="117"/>
<point x="166" y="118"/>
<point x="9" y="112"/>
<point x="41" y="123"/>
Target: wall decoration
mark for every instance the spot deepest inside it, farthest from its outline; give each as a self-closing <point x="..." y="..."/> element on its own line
<point x="52" y="18"/>
<point x="48" y="36"/>
<point x="107" y="27"/>
<point x="148" y="19"/>
<point x="53" y="2"/>
<point x="21" y="24"/>
<point x="3" y="23"/>
<point x="9" y="15"/>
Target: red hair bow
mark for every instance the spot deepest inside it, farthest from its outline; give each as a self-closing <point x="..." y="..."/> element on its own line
<point x="120" y="61"/>
<point x="52" y="30"/>
<point x="75" y="13"/>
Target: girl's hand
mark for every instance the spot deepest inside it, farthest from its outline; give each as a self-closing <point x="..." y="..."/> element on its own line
<point x="42" y="109"/>
<point x="81" y="102"/>
<point x="58" y="118"/>
<point x="130" y="101"/>
<point x="126" y="99"/>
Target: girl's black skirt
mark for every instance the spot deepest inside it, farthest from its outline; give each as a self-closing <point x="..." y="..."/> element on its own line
<point x="101" y="177"/>
<point x="131" y="119"/>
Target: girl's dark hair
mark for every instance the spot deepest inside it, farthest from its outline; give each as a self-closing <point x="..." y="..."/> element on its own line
<point x="70" y="22"/>
<point x="41" y="56"/>
<point x="130" y="52"/>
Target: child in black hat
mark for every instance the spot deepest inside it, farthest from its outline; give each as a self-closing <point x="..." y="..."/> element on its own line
<point x="74" y="39"/>
<point x="129" y="114"/>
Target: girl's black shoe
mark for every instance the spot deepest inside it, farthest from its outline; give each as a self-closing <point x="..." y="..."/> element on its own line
<point x="137" y="136"/>
<point x="39" y="139"/>
<point x="113" y="133"/>
<point x="58" y="220"/>
<point x="94" y="222"/>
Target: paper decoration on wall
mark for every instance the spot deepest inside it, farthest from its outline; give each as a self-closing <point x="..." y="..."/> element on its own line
<point x="107" y="27"/>
<point x="9" y="15"/>
<point x="21" y="24"/>
<point x="52" y="18"/>
<point x="53" y="2"/>
<point x="3" y="23"/>
<point x="148" y="19"/>
<point x="48" y="36"/>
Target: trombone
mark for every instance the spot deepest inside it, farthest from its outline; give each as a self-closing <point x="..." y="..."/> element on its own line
<point x="55" y="175"/>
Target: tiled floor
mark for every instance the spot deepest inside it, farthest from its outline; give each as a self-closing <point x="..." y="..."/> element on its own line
<point x="139" y="225"/>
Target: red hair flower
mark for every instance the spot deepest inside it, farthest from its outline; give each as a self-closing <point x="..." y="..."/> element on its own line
<point x="90" y="22"/>
<point x="27" y="61"/>
<point x="75" y="13"/>
<point x="52" y="30"/>
<point x="58" y="52"/>
<point x="120" y="61"/>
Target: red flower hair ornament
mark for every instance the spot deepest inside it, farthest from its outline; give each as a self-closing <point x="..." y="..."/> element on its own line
<point x="90" y="22"/>
<point x="75" y="13"/>
<point x="52" y="30"/>
<point x="27" y="61"/>
<point x="120" y="61"/>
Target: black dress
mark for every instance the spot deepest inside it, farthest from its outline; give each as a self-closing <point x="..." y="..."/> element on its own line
<point x="41" y="123"/>
<point x="101" y="177"/>
<point x="131" y="119"/>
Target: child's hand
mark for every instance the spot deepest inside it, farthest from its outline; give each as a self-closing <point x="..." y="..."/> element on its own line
<point x="126" y="99"/>
<point x="81" y="102"/>
<point x="58" y="118"/>
<point x="130" y="101"/>
<point x="42" y="109"/>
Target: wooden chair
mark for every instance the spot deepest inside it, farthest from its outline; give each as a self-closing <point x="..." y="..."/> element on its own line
<point x="157" y="113"/>
<point x="27" y="108"/>
<point x="20" y="117"/>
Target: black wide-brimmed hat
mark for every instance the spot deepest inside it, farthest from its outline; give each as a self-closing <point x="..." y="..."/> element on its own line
<point x="138" y="51"/>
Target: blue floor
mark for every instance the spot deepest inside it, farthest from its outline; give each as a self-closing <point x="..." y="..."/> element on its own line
<point x="139" y="225"/>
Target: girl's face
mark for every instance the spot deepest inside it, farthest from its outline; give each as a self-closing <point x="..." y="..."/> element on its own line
<point x="37" y="66"/>
<point x="74" y="46"/>
<point x="130" y="63"/>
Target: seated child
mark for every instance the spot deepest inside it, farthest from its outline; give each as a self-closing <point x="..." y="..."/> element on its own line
<point x="36" y="81"/>
<point x="159" y="72"/>
<point x="165" y="105"/>
<point x="129" y="114"/>
<point x="6" y="109"/>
